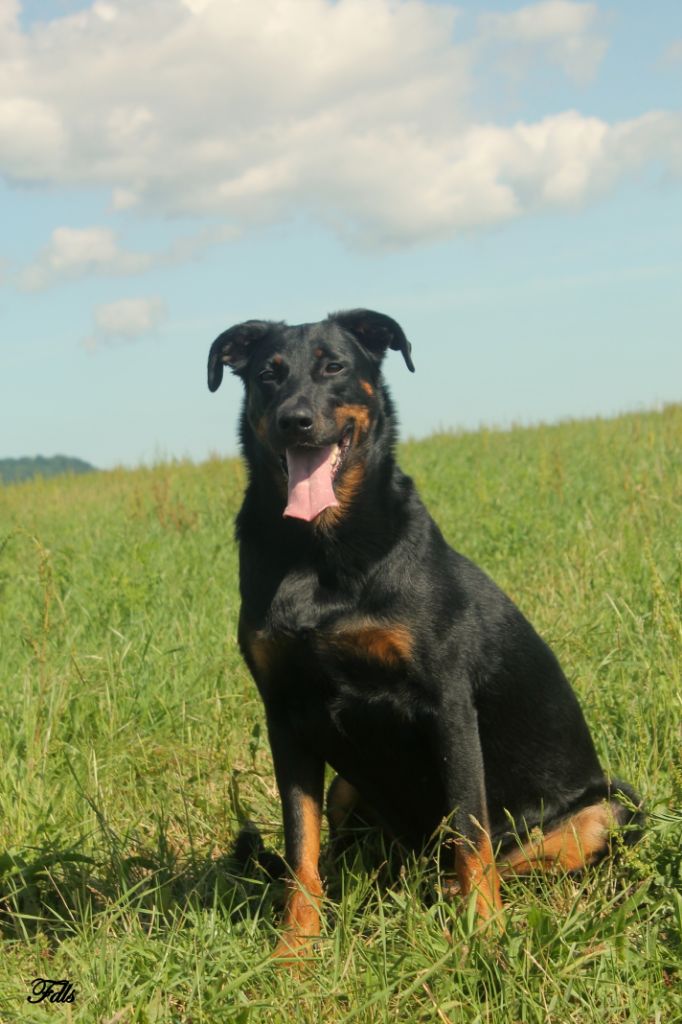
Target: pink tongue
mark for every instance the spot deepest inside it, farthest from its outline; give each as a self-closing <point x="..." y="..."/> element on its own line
<point x="310" y="482"/>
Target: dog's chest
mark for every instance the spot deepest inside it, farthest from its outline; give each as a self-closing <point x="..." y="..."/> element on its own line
<point x="343" y="647"/>
<point x="347" y="689"/>
<point x="311" y="624"/>
<point x="342" y="666"/>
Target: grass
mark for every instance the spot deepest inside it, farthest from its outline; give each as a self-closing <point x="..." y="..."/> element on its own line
<point x="133" y="744"/>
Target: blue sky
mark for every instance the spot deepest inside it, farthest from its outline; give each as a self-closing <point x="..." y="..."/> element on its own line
<point x="502" y="179"/>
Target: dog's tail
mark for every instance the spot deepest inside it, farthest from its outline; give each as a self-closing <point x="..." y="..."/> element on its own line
<point x="249" y="851"/>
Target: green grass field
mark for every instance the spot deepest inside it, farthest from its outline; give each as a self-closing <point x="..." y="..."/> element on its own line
<point x="133" y="742"/>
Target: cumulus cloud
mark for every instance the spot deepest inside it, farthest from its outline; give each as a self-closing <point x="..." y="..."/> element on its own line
<point x="559" y="31"/>
<point x="357" y="112"/>
<point x="32" y="138"/>
<point x="125" y="320"/>
<point x="72" y="253"/>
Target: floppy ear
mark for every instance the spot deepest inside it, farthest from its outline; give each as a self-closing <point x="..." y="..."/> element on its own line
<point x="231" y="348"/>
<point x="376" y="332"/>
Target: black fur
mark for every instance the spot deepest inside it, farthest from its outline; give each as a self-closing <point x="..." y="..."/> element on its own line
<point x="453" y="708"/>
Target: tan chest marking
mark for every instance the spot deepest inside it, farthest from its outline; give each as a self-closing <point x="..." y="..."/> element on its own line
<point x="389" y="644"/>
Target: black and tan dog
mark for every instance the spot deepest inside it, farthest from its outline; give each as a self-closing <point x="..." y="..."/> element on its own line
<point x="381" y="651"/>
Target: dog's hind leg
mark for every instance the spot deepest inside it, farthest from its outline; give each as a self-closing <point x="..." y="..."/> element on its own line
<point x="573" y="843"/>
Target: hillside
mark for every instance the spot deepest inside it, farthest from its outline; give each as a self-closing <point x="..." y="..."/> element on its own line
<point x="134" y="743"/>
<point x="15" y="470"/>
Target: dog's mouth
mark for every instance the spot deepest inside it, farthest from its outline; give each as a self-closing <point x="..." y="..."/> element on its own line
<point x="311" y="472"/>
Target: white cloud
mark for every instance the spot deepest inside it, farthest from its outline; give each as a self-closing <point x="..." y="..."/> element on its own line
<point x="551" y="19"/>
<point x="126" y="320"/>
<point x="557" y="31"/>
<point x="356" y="111"/>
<point x="107" y="12"/>
<point x="190" y="247"/>
<point x="9" y="19"/>
<point x="32" y="138"/>
<point x="72" y="253"/>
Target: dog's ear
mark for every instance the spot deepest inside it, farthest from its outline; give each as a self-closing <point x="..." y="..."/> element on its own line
<point x="231" y="348"/>
<point x="375" y="332"/>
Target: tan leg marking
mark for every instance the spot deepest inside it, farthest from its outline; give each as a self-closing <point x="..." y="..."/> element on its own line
<point x="572" y="845"/>
<point x="476" y="872"/>
<point x="302" y="913"/>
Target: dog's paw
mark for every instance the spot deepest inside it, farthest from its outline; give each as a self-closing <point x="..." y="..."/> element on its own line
<point x="450" y="887"/>
<point x="294" y="950"/>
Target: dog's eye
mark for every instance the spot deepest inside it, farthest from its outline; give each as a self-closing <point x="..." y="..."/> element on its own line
<point x="266" y="375"/>
<point x="333" y="368"/>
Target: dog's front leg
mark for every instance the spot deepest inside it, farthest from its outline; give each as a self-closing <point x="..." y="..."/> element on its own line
<point x="300" y="780"/>
<point x="468" y="848"/>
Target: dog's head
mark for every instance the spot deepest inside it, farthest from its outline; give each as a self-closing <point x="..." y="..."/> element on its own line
<point x="313" y="398"/>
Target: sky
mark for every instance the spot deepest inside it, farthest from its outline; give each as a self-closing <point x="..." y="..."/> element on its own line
<point x="505" y="180"/>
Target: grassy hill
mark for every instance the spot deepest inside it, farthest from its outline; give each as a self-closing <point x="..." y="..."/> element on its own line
<point x="133" y="740"/>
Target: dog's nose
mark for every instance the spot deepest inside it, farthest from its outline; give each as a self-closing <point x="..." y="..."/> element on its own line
<point x="295" y="420"/>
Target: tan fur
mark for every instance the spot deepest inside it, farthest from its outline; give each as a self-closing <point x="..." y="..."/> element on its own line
<point x="476" y="872"/>
<point x="358" y="413"/>
<point x="345" y="490"/>
<point x="263" y="652"/>
<point x="343" y="798"/>
<point x="302" y="914"/>
<point x="390" y="644"/>
<point x="572" y="845"/>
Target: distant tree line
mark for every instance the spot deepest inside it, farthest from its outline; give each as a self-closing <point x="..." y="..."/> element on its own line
<point x="13" y="470"/>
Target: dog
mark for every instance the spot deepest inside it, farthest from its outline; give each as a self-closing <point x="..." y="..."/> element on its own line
<point x="383" y="652"/>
